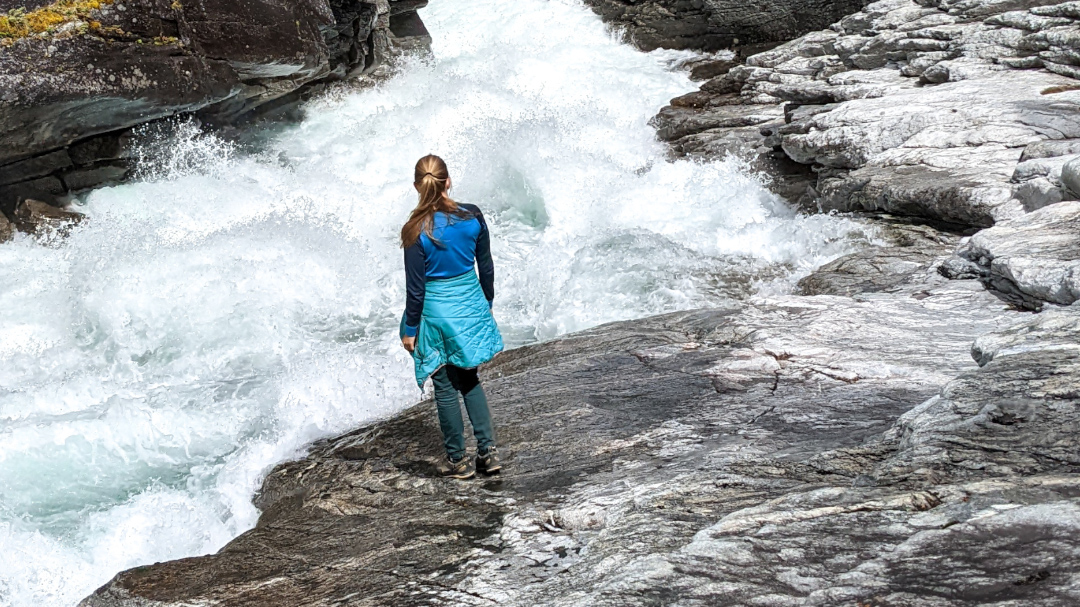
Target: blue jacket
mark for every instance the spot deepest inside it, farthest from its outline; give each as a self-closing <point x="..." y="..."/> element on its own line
<point x="460" y="241"/>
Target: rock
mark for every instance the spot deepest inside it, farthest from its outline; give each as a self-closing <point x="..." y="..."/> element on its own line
<point x="748" y="455"/>
<point x="958" y="268"/>
<point x="1070" y="178"/>
<point x="32" y="168"/>
<point x="7" y="229"/>
<point x="868" y="271"/>
<point x="910" y="258"/>
<point x="1049" y="331"/>
<point x="1038" y="193"/>
<point x="83" y="179"/>
<point x="108" y="70"/>
<point x="1017" y="415"/>
<point x="1033" y="259"/>
<point x="921" y="108"/>
<point x="716" y="24"/>
<point x="49" y="188"/>
<point x="1051" y="148"/>
<point x="36" y="217"/>
<point x="712" y="69"/>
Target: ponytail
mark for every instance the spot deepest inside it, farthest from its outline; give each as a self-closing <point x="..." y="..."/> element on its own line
<point x="430" y="178"/>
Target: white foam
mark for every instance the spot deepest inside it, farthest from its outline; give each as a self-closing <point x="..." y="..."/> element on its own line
<point x="209" y="321"/>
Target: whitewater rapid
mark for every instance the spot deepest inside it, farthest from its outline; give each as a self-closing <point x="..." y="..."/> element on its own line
<point x="211" y="319"/>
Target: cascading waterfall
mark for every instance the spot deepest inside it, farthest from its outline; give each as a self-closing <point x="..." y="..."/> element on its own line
<point x="214" y="317"/>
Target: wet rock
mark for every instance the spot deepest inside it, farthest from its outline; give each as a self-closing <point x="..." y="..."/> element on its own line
<point x="36" y="217"/>
<point x="868" y="271"/>
<point x="48" y="188"/>
<point x="911" y="257"/>
<point x="711" y="69"/>
<point x="100" y="174"/>
<point x="110" y="69"/>
<point x="7" y="229"/>
<point x="739" y="456"/>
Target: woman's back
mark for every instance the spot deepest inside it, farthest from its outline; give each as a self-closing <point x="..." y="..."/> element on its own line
<point x="457" y="241"/>
<point x="454" y="244"/>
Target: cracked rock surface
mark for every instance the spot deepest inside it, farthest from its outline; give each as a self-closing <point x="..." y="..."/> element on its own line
<point x="792" y="451"/>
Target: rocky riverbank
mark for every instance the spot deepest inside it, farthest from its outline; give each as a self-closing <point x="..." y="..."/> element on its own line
<point x="962" y="114"/>
<point x="76" y="77"/>
<point x="799" y="450"/>
<point x="904" y="433"/>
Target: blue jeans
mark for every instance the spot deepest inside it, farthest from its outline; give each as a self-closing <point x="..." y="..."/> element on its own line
<point x="449" y="382"/>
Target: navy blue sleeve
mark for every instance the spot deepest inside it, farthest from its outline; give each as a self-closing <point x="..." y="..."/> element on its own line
<point x="485" y="266"/>
<point x="415" y="287"/>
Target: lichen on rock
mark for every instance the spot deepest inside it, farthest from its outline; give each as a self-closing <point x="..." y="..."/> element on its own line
<point x="51" y="20"/>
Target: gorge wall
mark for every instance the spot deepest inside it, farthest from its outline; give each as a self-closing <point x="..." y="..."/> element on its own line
<point x="75" y="77"/>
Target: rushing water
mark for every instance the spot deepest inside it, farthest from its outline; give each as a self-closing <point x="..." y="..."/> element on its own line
<point x="211" y="319"/>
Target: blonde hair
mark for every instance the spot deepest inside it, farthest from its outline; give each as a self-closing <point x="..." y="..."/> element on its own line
<point x="430" y="178"/>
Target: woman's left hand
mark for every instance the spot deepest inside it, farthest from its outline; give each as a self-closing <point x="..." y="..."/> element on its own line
<point x="409" y="343"/>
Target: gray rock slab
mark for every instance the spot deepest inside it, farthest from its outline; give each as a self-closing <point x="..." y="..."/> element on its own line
<point x="869" y="271"/>
<point x="1019" y="414"/>
<point x="722" y="456"/>
<point x="1034" y="258"/>
<point x="910" y="258"/>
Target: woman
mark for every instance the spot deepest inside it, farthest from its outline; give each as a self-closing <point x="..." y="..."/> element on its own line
<point x="448" y="327"/>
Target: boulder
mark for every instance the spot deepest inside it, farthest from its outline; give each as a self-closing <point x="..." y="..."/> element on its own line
<point x="1070" y="178"/>
<point x="7" y="229"/>
<point x="869" y="271"/>
<point x="909" y="258"/>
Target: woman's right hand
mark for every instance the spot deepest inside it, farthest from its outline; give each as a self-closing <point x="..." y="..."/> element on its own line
<point x="409" y="343"/>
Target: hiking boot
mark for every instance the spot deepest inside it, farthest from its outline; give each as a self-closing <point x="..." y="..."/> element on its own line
<point x="488" y="463"/>
<point x="461" y="469"/>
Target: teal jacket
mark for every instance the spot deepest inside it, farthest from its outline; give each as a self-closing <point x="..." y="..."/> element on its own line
<point x="454" y="324"/>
